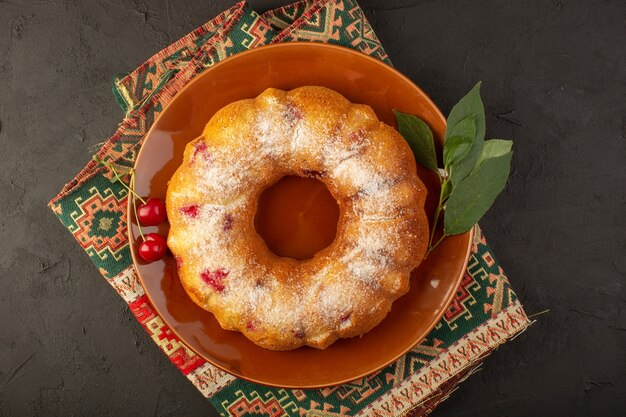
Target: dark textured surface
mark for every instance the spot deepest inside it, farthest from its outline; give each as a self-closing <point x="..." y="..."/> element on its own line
<point x="554" y="77"/>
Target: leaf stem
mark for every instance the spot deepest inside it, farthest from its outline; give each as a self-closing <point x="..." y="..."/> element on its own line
<point x="432" y="247"/>
<point x="435" y="222"/>
<point x="444" y="183"/>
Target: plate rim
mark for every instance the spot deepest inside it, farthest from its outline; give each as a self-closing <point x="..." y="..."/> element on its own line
<point x="129" y="220"/>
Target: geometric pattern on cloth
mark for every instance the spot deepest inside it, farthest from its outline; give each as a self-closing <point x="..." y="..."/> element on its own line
<point x="485" y="311"/>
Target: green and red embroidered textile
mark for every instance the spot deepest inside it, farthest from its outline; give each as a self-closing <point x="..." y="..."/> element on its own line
<point x="484" y="314"/>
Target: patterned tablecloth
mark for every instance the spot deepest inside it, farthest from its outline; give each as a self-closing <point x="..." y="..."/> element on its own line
<point x="484" y="313"/>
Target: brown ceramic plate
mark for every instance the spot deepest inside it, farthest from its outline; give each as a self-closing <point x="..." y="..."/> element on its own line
<point x="361" y="79"/>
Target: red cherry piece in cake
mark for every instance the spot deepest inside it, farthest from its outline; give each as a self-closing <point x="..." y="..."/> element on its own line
<point x="356" y="136"/>
<point x="215" y="279"/>
<point x="200" y="150"/>
<point x="179" y="262"/>
<point x="298" y="334"/>
<point x="293" y="113"/>
<point x="345" y="317"/>
<point x="191" y="210"/>
<point x="152" y="212"/>
<point x="250" y="326"/>
<point x="228" y="221"/>
<point x="153" y="248"/>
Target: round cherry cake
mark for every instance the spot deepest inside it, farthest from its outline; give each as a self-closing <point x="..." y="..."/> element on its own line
<point x="345" y="289"/>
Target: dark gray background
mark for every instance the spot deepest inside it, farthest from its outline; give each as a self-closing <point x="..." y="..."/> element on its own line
<point x="554" y="77"/>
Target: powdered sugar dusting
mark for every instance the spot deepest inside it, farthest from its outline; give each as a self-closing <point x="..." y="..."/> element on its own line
<point x="370" y="257"/>
<point x="272" y="136"/>
<point x="243" y="293"/>
<point x="221" y="177"/>
<point x="336" y="300"/>
<point x="335" y="153"/>
<point x="301" y="136"/>
<point x="379" y="206"/>
<point x="360" y="176"/>
<point x="204" y="236"/>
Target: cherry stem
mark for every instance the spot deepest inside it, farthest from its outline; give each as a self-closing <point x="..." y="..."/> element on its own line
<point x="132" y="183"/>
<point x="111" y="167"/>
<point x="132" y="195"/>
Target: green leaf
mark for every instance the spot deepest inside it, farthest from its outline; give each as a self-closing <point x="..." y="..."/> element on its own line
<point x="494" y="148"/>
<point x="470" y="105"/>
<point x="458" y="145"/>
<point x="473" y="196"/>
<point x="417" y="133"/>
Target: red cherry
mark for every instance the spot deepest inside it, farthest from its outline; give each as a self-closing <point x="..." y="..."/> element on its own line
<point x="153" y="248"/>
<point x="152" y="212"/>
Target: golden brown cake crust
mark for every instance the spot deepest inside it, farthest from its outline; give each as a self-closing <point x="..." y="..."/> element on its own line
<point x="348" y="287"/>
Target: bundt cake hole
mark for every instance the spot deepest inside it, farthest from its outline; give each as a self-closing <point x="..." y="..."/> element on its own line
<point x="297" y="217"/>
